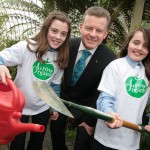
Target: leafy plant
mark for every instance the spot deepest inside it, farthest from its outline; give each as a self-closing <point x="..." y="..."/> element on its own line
<point x="33" y="12"/>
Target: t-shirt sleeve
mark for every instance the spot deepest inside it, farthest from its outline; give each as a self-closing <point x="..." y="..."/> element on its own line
<point x="58" y="76"/>
<point x="108" y="82"/>
<point x="13" y="55"/>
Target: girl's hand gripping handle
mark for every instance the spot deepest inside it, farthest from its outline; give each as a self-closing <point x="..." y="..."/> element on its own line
<point x="4" y="72"/>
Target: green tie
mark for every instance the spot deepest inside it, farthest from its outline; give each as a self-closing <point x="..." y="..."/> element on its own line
<point x="79" y="67"/>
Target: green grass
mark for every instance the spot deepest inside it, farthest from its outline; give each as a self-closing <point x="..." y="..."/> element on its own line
<point x="71" y="133"/>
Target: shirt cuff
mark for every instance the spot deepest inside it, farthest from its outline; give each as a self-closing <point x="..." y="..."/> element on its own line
<point x="106" y="103"/>
<point x="1" y="61"/>
<point x="148" y="115"/>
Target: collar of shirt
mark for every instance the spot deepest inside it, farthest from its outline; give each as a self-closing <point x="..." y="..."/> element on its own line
<point x="81" y="47"/>
<point x="52" y="50"/>
<point x="132" y="62"/>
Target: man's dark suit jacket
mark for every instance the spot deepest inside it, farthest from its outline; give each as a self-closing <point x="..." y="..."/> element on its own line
<point x="85" y="91"/>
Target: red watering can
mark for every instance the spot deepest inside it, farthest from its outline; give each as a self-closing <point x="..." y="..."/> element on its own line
<point x="11" y="105"/>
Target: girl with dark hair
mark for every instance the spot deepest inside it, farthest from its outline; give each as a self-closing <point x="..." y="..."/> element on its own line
<point x="124" y="94"/>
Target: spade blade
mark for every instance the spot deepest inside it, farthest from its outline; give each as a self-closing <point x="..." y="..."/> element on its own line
<point x="46" y="93"/>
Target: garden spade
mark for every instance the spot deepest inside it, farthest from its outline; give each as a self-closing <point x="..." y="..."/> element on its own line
<point x="45" y="92"/>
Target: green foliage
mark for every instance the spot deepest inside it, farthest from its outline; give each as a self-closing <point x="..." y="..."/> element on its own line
<point x="146" y="14"/>
<point x="8" y="43"/>
<point x="148" y="108"/>
<point x="13" y="72"/>
<point x="70" y="5"/>
<point x="144" y="142"/>
<point x="71" y="133"/>
<point x="121" y="12"/>
<point x="71" y="128"/>
<point x="24" y="15"/>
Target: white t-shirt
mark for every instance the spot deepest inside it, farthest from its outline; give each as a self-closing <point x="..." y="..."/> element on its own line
<point x="29" y="70"/>
<point x="129" y="86"/>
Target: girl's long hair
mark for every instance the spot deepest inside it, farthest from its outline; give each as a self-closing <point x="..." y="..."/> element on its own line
<point x="40" y="39"/>
<point x="146" y="60"/>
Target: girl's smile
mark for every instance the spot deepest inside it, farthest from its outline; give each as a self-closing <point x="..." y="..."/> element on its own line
<point x="137" y="48"/>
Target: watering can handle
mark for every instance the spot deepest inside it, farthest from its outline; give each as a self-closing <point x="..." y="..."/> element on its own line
<point x="15" y="91"/>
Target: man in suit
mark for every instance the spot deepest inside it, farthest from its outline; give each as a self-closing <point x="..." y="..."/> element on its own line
<point x="93" y="29"/>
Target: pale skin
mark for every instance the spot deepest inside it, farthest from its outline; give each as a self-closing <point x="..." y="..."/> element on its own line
<point x="56" y="36"/>
<point x="137" y="51"/>
<point x="117" y="123"/>
<point x="57" y="33"/>
<point x="137" y="48"/>
<point x="93" y="31"/>
<point x="54" y="116"/>
<point x="147" y="127"/>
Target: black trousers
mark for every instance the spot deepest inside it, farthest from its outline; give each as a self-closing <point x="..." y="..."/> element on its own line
<point x="58" y="127"/>
<point x="36" y="138"/>
<point x="98" y="146"/>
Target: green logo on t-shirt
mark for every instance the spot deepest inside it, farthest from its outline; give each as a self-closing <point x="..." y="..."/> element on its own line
<point x="42" y="71"/>
<point x="136" y="87"/>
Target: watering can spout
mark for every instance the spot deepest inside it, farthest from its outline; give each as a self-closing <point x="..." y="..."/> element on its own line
<point x="24" y="127"/>
<point x="18" y="128"/>
<point x="31" y="127"/>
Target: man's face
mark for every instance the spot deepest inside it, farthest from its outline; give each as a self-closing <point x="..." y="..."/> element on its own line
<point x="93" y="31"/>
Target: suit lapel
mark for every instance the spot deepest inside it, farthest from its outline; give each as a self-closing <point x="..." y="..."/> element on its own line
<point x="94" y="64"/>
<point x="92" y="68"/>
<point x="74" y="46"/>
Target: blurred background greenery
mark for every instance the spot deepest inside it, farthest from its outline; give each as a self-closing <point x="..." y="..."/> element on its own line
<point x="22" y="18"/>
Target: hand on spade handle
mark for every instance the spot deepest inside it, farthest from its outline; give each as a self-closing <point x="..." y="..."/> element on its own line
<point x="106" y="117"/>
<point x="116" y="123"/>
<point x="45" y="92"/>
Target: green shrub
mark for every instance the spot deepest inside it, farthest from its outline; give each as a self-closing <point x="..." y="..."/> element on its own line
<point x="145" y="140"/>
<point x="6" y="44"/>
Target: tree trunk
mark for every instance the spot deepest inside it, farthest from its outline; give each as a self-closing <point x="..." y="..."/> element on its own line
<point x="137" y="14"/>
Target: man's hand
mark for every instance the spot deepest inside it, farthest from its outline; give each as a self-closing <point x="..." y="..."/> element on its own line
<point x="117" y="123"/>
<point x="4" y="72"/>
<point x="89" y="130"/>
<point x="54" y="115"/>
<point x="147" y="127"/>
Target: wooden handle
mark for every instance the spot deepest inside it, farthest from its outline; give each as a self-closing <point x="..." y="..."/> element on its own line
<point x="132" y="126"/>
